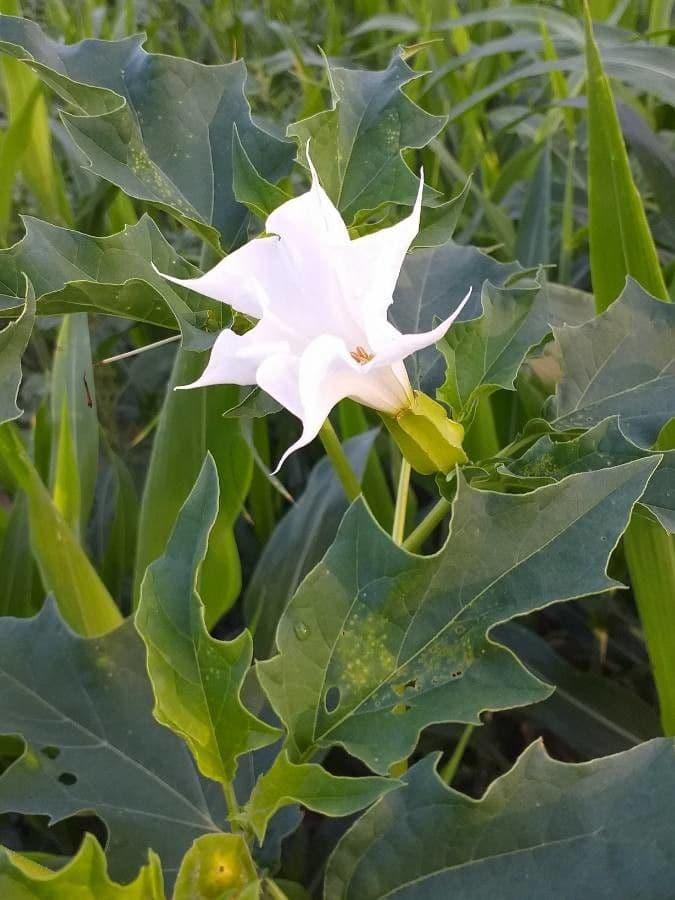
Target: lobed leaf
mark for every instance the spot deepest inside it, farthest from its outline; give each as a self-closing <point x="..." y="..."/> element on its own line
<point x="13" y="341"/>
<point x="356" y="146"/>
<point x="532" y="827"/>
<point x="620" y="363"/>
<point x="602" y="446"/>
<point x="84" y="710"/>
<point x="158" y="127"/>
<point x="196" y="679"/>
<point x="115" y="275"/>
<point x="485" y="354"/>
<point x="85" y="875"/>
<point x="378" y="643"/>
<point x="311" y="785"/>
<point x="432" y="283"/>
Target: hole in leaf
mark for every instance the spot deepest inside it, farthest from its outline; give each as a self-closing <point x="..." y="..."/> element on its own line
<point x="400" y="689"/>
<point x="332" y="699"/>
<point x="68" y="779"/>
<point x="50" y="752"/>
<point x="456" y="674"/>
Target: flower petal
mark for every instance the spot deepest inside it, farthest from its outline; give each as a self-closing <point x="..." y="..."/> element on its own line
<point x="242" y="279"/>
<point x="373" y="262"/>
<point x="390" y="346"/>
<point x="235" y="358"/>
<point x="308" y="220"/>
<point x="326" y="373"/>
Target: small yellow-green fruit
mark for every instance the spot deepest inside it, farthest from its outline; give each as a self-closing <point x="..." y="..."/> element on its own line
<point x="427" y="438"/>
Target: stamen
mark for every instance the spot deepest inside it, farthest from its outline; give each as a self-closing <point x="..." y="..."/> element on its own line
<point x="361" y="355"/>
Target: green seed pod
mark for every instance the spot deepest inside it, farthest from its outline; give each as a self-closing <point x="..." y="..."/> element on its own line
<point x="427" y="438"/>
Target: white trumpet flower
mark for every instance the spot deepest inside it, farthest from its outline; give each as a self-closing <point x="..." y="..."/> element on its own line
<point x="321" y="300"/>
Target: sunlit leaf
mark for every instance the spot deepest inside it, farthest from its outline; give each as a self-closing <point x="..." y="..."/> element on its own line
<point x="190" y="424"/>
<point x="74" y="418"/>
<point x="64" y="567"/>
<point x="312" y="786"/>
<point x="85" y="875"/>
<point x="196" y="679"/>
<point x="620" y="240"/>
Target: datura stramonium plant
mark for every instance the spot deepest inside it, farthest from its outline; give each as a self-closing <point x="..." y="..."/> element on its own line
<point x="323" y="334"/>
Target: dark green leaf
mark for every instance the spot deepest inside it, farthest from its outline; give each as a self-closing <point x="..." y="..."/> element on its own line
<point x="298" y="542"/>
<point x="485" y="354"/>
<point x="250" y="188"/>
<point x="162" y="128"/>
<point x="432" y="282"/>
<point x="439" y="223"/>
<point x="527" y="834"/>
<point x="620" y="363"/>
<point x="356" y="146"/>
<point x="253" y="403"/>
<point x="74" y="272"/>
<point x="593" y="714"/>
<point x="377" y="643"/>
<point x="84" y="709"/>
<point x="13" y="341"/>
<point x="602" y="446"/>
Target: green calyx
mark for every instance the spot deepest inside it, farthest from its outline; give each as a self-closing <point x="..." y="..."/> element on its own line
<point x="427" y="438"/>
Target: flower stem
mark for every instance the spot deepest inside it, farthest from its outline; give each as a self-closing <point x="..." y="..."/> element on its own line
<point x="398" y="528"/>
<point x="274" y="890"/>
<point x="449" y="770"/>
<point x="232" y="806"/>
<point x="432" y="519"/>
<point x="338" y="457"/>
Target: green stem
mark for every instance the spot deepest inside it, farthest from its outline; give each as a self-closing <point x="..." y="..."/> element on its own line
<point x="233" y="810"/>
<point x="449" y="770"/>
<point x="274" y="890"/>
<point x="398" y="528"/>
<point x="650" y="554"/>
<point x="428" y="524"/>
<point x="338" y="457"/>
